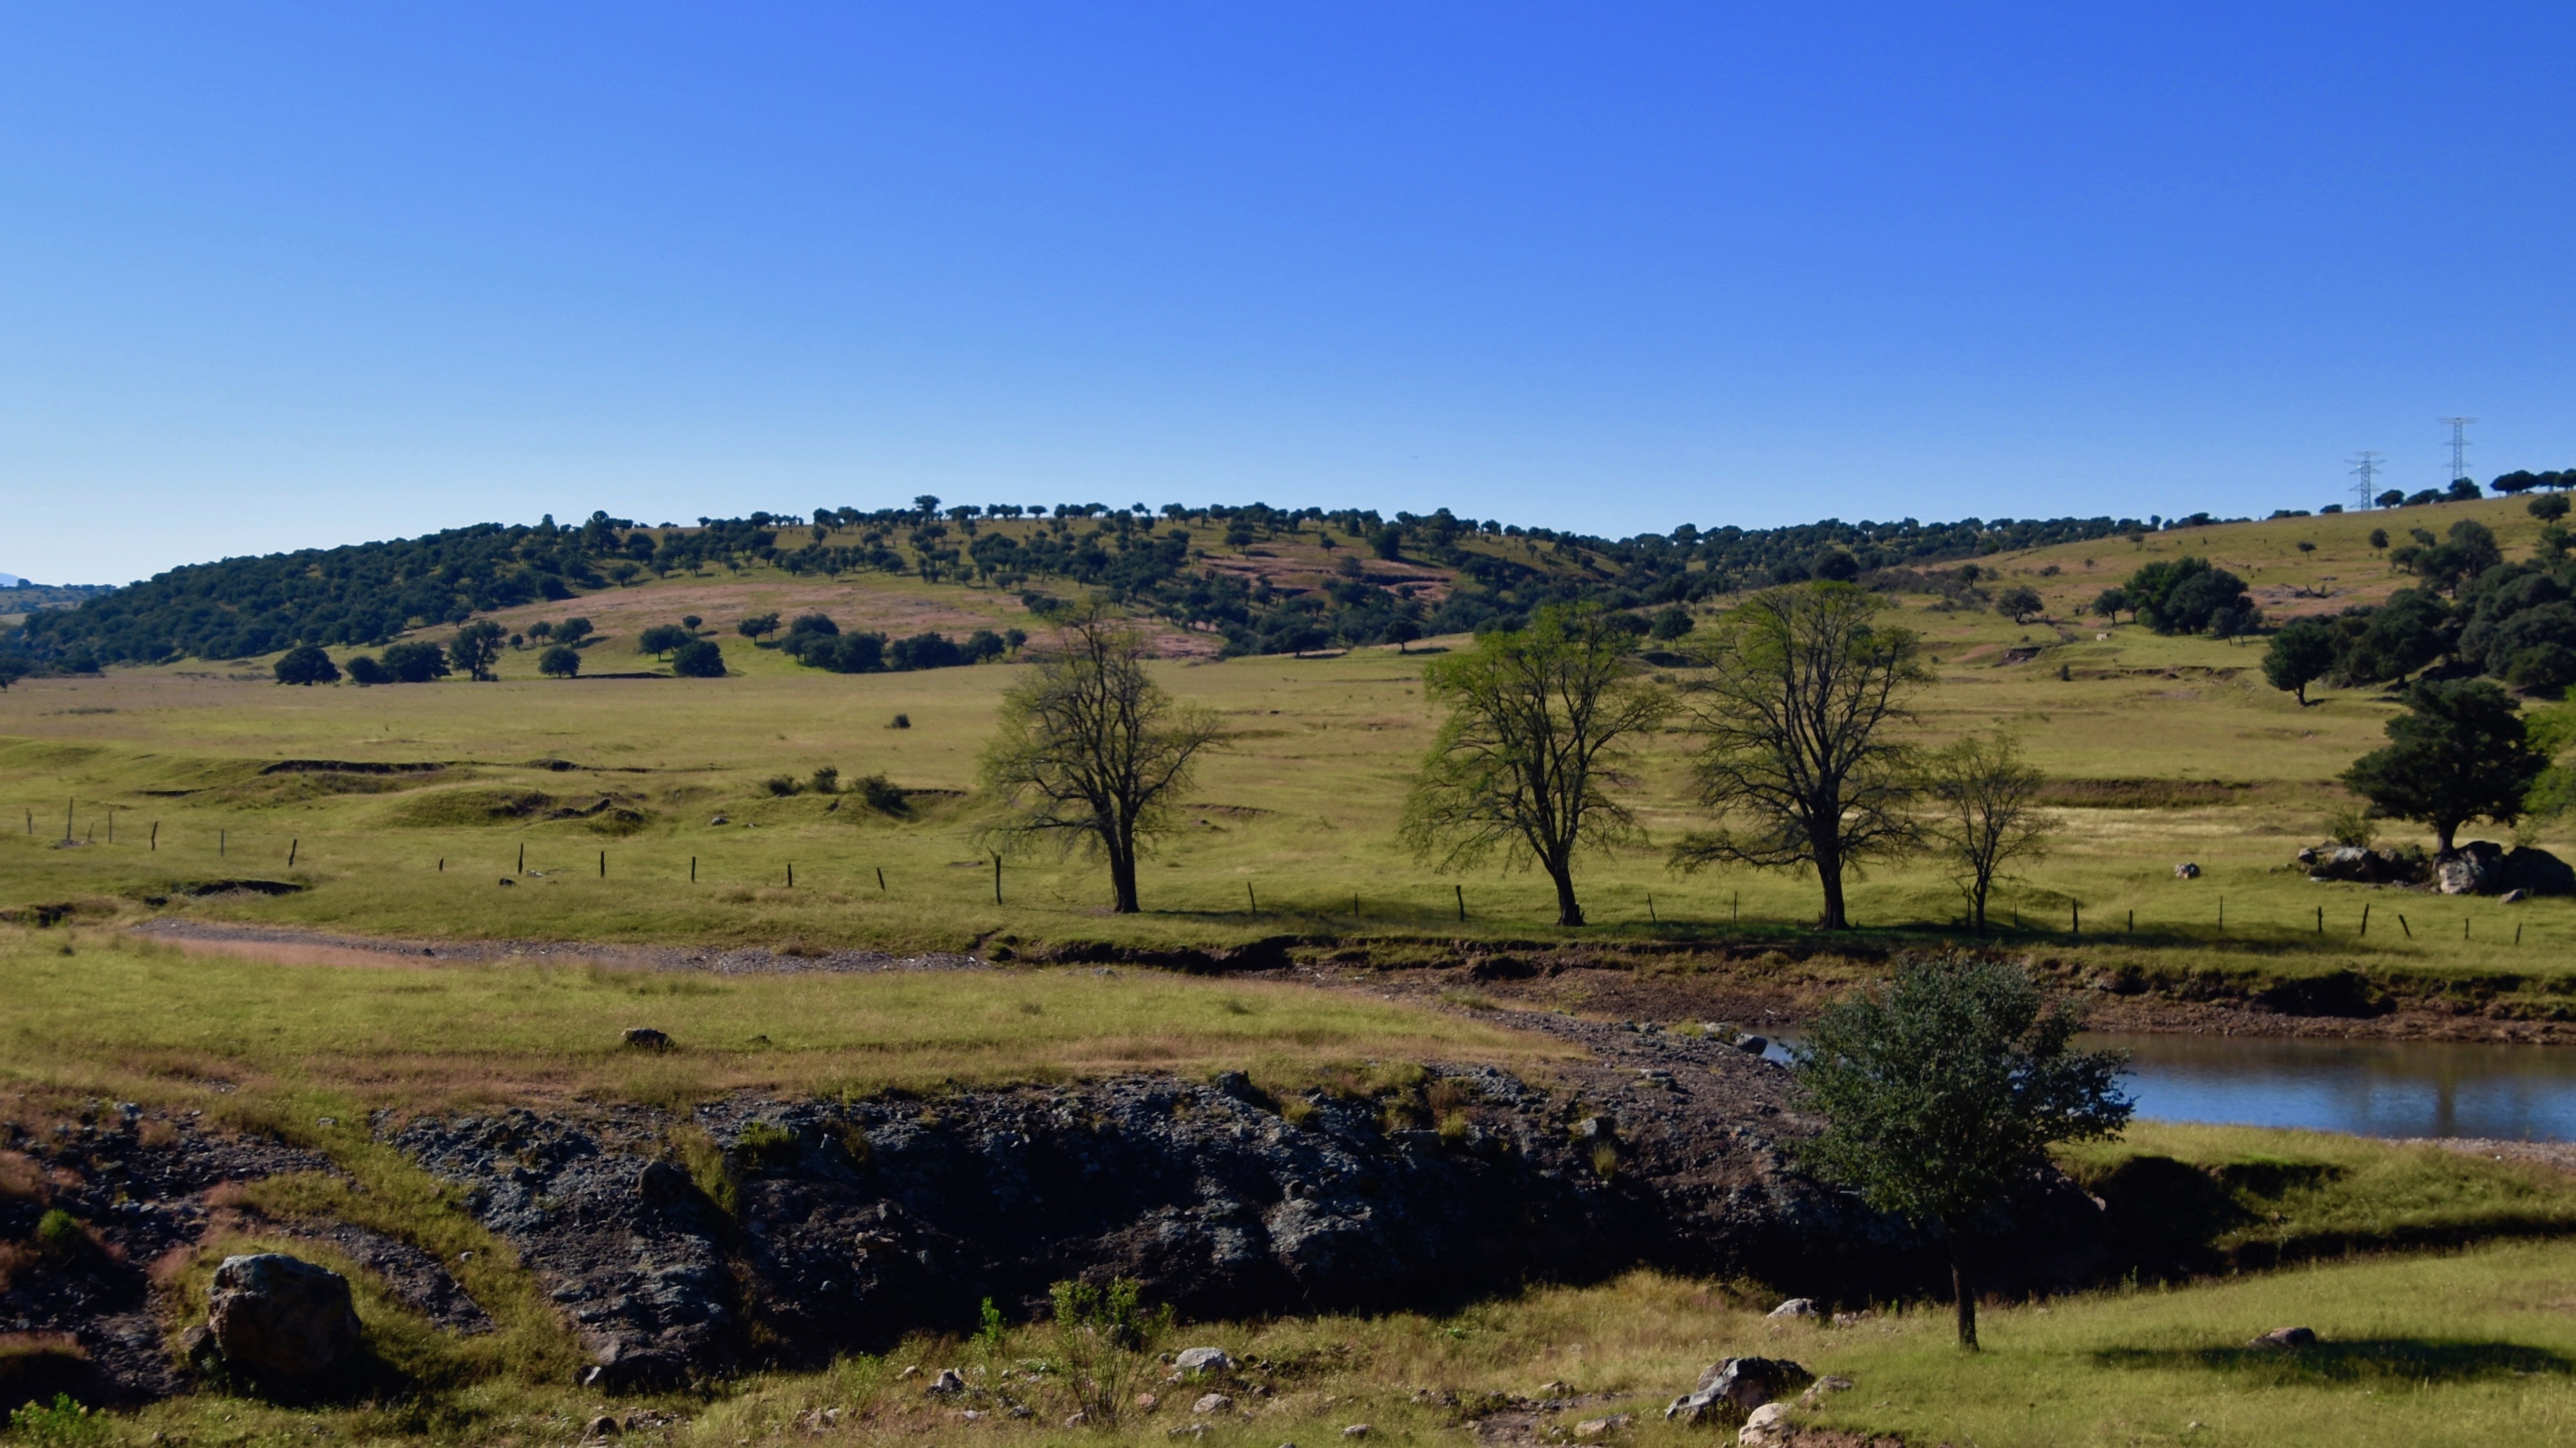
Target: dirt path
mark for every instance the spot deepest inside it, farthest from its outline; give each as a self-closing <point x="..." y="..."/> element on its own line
<point x="291" y="946"/>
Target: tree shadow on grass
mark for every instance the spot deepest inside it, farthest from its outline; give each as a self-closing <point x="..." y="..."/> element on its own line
<point x="2369" y="1359"/>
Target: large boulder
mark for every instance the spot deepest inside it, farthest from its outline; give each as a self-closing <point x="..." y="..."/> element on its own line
<point x="280" y="1317"/>
<point x="2472" y="869"/>
<point x="1730" y="1390"/>
<point x="2535" y="871"/>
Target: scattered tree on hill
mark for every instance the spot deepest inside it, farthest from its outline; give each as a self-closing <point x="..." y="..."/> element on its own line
<point x="1836" y="565"/>
<point x="690" y="621"/>
<point x="414" y="661"/>
<point x="1943" y="1091"/>
<point x="2188" y="596"/>
<point x="698" y="659"/>
<point x="1539" y="726"/>
<point x="563" y="661"/>
<point x="307" y="664"/>
<point x="2470" y="550"/>
<point x="2110" y="603"/>
<point x="1091" y="751"/>
<point x="2379" y="538"/>
<point x="363" y="669"/>
<point x="13" y="668"/>
<point x="661" y="639"/>
<point x="1984" y="814"/>
<point x="1793" y="743"/>
<point x="476" y="647"/>
<point x="1401" y="632"/>
<point x="2404" y="634"/>
<point x="757" y="625"/>
<point x="2460" y="752"/>
<point x="2301" y="653"/>
<point x="2549" y="508"/>
<point x="2019" y="602"/>
<point x="572" y="631"/>
<point x="1672" y="623"/>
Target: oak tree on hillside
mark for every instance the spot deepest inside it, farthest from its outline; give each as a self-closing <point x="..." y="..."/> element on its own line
<point x="308" y="665"/>
<point x="2019" y="602"/>
<point x="1091" y="752"/>
<point x="562" y="661"/>
<point x="1943" y="1091"/>
<point x="2301" y="653"/>
<point x="1537" y="735"/>
<point x="2459" y="752"/>
<point x="476" y="648"/>
<point x="1795" y="752"/>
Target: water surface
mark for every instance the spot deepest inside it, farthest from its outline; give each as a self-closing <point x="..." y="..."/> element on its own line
<point x="2365" y="1088"/>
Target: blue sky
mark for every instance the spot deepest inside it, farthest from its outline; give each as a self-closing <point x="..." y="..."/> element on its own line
<point x="285" y="276"/>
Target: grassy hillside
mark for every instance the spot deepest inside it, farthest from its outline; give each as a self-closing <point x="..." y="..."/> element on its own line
<point x="2163" y="748"/>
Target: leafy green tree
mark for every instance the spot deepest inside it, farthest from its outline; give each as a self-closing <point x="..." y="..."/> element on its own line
<point x="572" y="631"/>
<point x="2548" y="508"/>
<point x="2379" y="539"/>
<point x="2019" y="602"/>
<point x="2410" y="630"/>
<point x="414" y="661"/>
<point x="562" y="661"/>
<point x="2301" y="653"/>
<point x="476" y="647"/>
<point x="1090" y="751"/>
<point x="2187" y="595"/>
<point x="1401" y="632"/>
<point x="698" y="659"/>
<point x="1795" y="747"/>
<point x="661" y="639"/>
<point x="1672" y="623"/>
<point x="1537" y="735"/>
<point x="13" y="668"/>
<point x="308" y="665"/>
<point x="363" y="669"/>
<point x="1942" y="1093"/>
<point x="690" y="621"/>
<point x="2459" y="752"/>
<point x="1984" y="814"/>
<point x="757" y="625"/>
<point x="2110" y="603"/>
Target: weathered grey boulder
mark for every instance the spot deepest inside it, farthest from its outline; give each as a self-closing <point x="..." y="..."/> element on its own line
<point x="646" y="1038"/>
<point x="1202" y="1360"/>
<point x="281" y="1317"/>
<point x="2472" y="869"/>
<point x="2360" y="866"/>
<point x="1731" y="1389"/>
<point x="2286" y="1337"/>
<point x="1795" y="1307"/>
<point x="1767" y="1426"/>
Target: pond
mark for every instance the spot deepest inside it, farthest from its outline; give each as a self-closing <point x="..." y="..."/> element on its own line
<point x="2365" y="1088"/>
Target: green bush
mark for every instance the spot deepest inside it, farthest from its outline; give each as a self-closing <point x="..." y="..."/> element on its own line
<point x="559" y="662"/>
<point x="698" y="659"/>
<point x="59" y="1232"/>
<point x="884" y="795"/>
<point x="64" y="1422"/>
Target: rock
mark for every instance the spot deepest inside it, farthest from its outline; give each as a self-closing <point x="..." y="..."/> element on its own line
<point x="601" y="1429"/>
<point x="2512" y="897"/>
<point x="2286" y="1337"/>
<point x="1595" y="1128"/>
<point x="2186" y="871"/>
<point x="645" y="1038"/>
<point x="1148" y="1402"/>
<point x="1752" y="1045"/>
<point x="1735" y="1387"/>
<point x="913" y="1371"/>
<point x="1203" y="1360"/>
<point x="1765" y="1427"/>
<point x="1603" y="1427"/>
<point x="2358" y="866"/>
<point x="280" y="1316"/>
<point x="1796" y="1307"/>
<point x="947" y="1384"/>
<point x="1359" y="1430"/>
<point x="1077" y="1420"/>
<point x="1823" y="1388"/>
<point x="2531" y="870"/>
<point x="506" y="880"/>
<point x="720" y="820"/>
<point x="1213" y="1403"/>
<point x="2472" y="869"/>
<point x="1558" y="1389"/>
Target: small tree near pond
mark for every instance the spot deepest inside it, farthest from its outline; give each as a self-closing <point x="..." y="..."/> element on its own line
<point x="1944" y="1090"/>
<point x="1983" y="814"/>
<point x="2459" y="752"/>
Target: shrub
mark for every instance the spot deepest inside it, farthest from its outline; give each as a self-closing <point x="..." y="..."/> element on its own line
<point x="2549" y="508"/>
<point x="2546" y="669"/>
<point x="560" y="662"/>
<point x="757" y="625"/>
<point x="572" y="630"/>
<point x="662" y="638"/>
<point x="781" y="785"/>
<point x="60" y="1425"/>
<point x="1672" y="623"/>
<point x="364" y="669"/>
<point x="698" y="659"/>
<point x="415" y="663"/>
<point x="59" y="1232"/>
<point x="884" y="796"/>
<point x="901" y="721"/>
<point x="2353" y="826"/>
<point x="827" y="779"/>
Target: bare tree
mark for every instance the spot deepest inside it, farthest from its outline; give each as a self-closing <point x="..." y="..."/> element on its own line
<point x="1795" y="756"/>
<point x="1985" y="814"/>
<point x="1091" y="751"/>
<point x="1538" y="722"/>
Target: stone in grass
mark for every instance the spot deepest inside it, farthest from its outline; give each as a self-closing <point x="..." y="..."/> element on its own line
<point x="1796" y="1307"/>
<point x="601" y="1429"/>
<point x="1359" y="1430"/>
<point x="2287" y="1337"/>
<point x="1821" y="1389"/>
<point x="1766" y="1427"/>
<point x="1735" y="1387"/>
<point x="276" y="1316"/>
<point x="645" y="1038"/>
<point x="1213" y="1403"/>
<point x="1603" y="1427"/>
<point x="1203" y="1360"/>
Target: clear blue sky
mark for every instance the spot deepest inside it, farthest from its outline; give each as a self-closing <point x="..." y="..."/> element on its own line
<point x="282" y="276"/>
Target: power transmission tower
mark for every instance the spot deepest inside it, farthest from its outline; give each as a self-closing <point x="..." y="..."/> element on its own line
<point x="2365" y="466"/>
<point x="2459" y="427"/>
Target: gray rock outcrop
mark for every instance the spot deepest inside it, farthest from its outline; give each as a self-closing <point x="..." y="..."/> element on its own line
<point x="1730" y="1390"/>
<point x="2483" y="867"/>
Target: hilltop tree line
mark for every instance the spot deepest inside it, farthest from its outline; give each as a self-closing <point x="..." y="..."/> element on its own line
<point x="1147" y="561"/>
